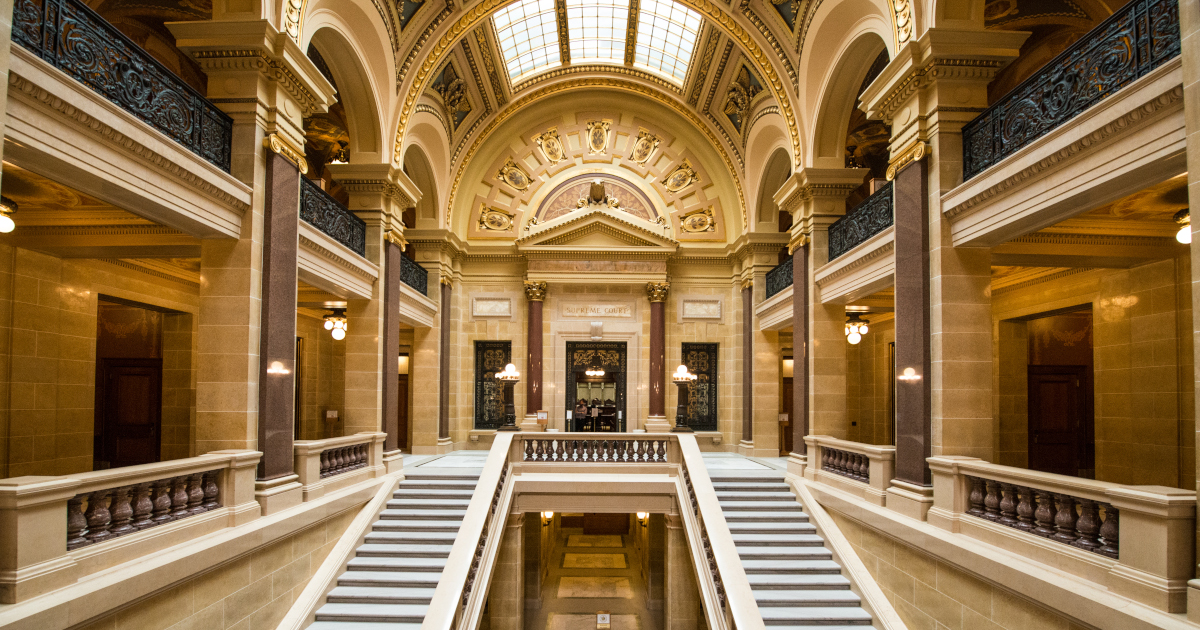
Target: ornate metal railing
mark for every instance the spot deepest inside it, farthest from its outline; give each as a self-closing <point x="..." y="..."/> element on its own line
<point x="76" y="40"/>
<point x="1136" y="39"/>
<point x="414" y="275"/>
<point x="867" y="219"/>
<point x="779" y="278"/>
<point x="323" y="212"/>
<point x="1079" y="522"/>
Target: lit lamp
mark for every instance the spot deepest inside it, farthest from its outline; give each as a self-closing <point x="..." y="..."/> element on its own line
<point x="1184" y="219"/>
<point x="594" y="370"/>
<point x="856" y="327"/>
<point x="547" y="517"/>
<point x="682" y="378"/>
<point x="7" y="207"/>
<point x="643" y="517"/>
<point x="335" y="323"/>
<point x="509" y="377"/>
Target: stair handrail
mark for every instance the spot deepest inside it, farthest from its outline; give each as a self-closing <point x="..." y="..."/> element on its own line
<point x="740" y="610"/>
<point x="446" y="609"/>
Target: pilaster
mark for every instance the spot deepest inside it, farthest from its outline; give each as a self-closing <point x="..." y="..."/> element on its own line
<point x="757" y="253"/>
<point x="506" y="598"/>
<point x="1189" y="30"/>
<point x="682" y="592"/>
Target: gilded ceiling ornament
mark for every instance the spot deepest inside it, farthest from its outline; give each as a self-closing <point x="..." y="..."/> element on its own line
<point x="293" y="13"/>
<point x="454" y="94"/>
<point x="742" y="91"/>
<point x="643" y="147"/>
<point x="657" y="291"/>
<point x="495" y="220"/>
<point x="536" y="291"/>
<point x="512" y="175"/>
<point x="597" y="136"/>
<point x="680" y="178"/>
<point x="902" y="18"/>
<point x="698" y="221"/>
<point x="598" y="196"/>
<point x="532" y="222"/>
<point x="551" y="145"/>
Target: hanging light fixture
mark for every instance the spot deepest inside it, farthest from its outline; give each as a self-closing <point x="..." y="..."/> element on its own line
<point x="1184" y="219"/>
<point x="594" y="370"/>
<point x="856" y="327"/>
<point x="335" y="323"/>
<point x="7" y="207"/>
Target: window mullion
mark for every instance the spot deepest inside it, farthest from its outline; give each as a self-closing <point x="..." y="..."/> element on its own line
<point x="564" y="40"/>
<point x="631" y="29"/>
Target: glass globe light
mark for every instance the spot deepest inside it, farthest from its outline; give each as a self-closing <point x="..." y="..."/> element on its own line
<point x="339" y="333"/>
<point x="329" y="324"/>
<point x="854" y="338"/>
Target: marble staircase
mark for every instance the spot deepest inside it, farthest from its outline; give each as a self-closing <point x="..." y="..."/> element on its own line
<point x="390" y="581"/>
<point x="794" y="578"/>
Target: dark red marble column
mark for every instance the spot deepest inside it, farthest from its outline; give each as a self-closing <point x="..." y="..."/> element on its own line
<point x="444" y="364"/>
<point x="391" y="344"/>
<point x="913" y="394"/>
<point x="800" y="341"/>
<point x="657" y="292"/>
<point x="748" y="362"/>
<point x="535" y="292"/>
<point x="277" y="341"/>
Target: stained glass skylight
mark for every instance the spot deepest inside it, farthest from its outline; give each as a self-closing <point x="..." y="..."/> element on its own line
<point x="527" y="34"/>
<point x="597" y="30"/>
<point x="666" y="36"/>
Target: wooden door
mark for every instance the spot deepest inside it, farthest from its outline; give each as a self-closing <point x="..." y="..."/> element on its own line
<point x="129" y="401"/>
<point x="785" y="439"/>
<point x="402" y="412"/>
<point x="1056" y="417"/>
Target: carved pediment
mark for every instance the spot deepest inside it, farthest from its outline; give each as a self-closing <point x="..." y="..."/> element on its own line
<point x="595" y="230"/>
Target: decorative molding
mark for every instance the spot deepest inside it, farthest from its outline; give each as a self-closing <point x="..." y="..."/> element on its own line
<point x="700" y="308"/>
<point x="682" y="177"/>
<point x="780" y="53"/>
<point x="698" y="221"/>
<point x="109" y="136"/>
<point x="161" y="274"/>
<point x="862" y="260"/>
<point x="1093" y="240"/>
<point x="657" y="291"/>
<point x="496" y="220"/>
<point x="710" y="49"/>
<point x="389" y="22"/>
<point x="489" y="306"/>
<point x="1094" y="141"/>
<point x="280" y="145"/>
<point x="642" y="75"/>
<point x="564" y="38"/>
<point x="402" y="70"/>
<point x="293" y="15"/>
<point x="99" y="230"/>
<point x="381" y="187"/>
<point x="536" y="291"/>
<point x="551" y="145"/>
<point x="336" y="258"/>
<point x="489" y="64"/>
<point x="437" y="113"/>
<point x="766" y="111"/>
<point x="258" y="60"/>
<point x="643" y="147"/>
<point x="514" y="175"/>
<point x="915" y="152"/>
<point x="902" y="26"/>
<point x="597" y="136"/>
<point x="635" y="7"/>
<point x="937" y="68"/>
<point x="1043" y="279"/>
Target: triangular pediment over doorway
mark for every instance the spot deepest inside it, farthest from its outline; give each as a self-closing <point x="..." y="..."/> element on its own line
<point x="598" y="229"/>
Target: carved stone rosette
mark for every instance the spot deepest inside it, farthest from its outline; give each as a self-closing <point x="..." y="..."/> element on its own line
<point x="536" y="291"/>
<point x="657" y="291"/>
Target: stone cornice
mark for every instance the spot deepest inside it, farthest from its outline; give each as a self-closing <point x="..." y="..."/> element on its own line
<point x="336" y="258"/>
<point x="99" y="230"/>
<point x="1122" y="125"/>
<point x="39" y="96"/>
<point x="869" y="255"/>
<point x="556" y="232"/>
<point x="1093" y="240"/>
<point x="1040" y="280"/>
<point x="258" y="60"/>
<point x="181" y="279"/>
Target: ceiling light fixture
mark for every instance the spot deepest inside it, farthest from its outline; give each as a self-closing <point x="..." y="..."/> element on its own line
<point x="594" y="370"/>
<point x="856" y="327"/>
<point x="1184" y="219"/>
<point x="7" y="207"/>
<point x="336" y="323"/>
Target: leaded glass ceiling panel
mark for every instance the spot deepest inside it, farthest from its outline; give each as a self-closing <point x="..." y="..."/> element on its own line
<point x="666" y="37"/>
<point x="597" y="30"/>
<point x="528" y="36"/>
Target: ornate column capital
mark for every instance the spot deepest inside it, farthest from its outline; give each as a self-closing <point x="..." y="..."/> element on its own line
<point x="748" y="282"/>
<point x="536" y="291"/>
<point x="657" y="291"/>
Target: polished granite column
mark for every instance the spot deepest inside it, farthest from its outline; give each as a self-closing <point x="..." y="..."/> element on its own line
<point x="800" y="343"/>
<point x="535" y="293"/>
<point x="391" y="343"/>
<point x="657" y="294"/>
<point x="748" y="363"/>
<point x="277" y="340"/>
<point x="444" y="363"/>
<point x="913" y="360"/>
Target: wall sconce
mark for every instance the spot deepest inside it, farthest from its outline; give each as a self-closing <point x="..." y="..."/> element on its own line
<point x="856" y="327"/>
<point x="910" y="375"/>
<point x="335" y="323"/>
<point x="547" y="517"/>
<point x="643" y="518"/>
<point x="7" y="207"/>
<point x="1184" y="218"/>
<point x="276" y="367"/>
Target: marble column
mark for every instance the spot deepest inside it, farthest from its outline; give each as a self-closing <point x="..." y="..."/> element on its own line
<point x="535" y="293"/>
<point x="506" y="596"/>
<point x="657" y="294"/>
<point x="391" y="343"/>
<point x="747" y="364"/>
<point x="682" y="610"/>
<point x="800" y="344"/>
<point x="444" y="363"/>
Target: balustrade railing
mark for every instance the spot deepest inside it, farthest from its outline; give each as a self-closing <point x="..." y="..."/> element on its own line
<point x="1136" y="39"/>
<point x="103" y="515"/>
<point x="344" y="459"/>
<point x="779" y="278"/>
<point x="851" y="465"/>
<point x="872" y="216"/>
<point x="414" y="275"/>
<point x="324" y="465"/>
<point x="78" y="41"/>
<point x="870" y="466"/>
<point x="597" y="450"/>
<point x="1077" y="521"/>
<point x="322" y="211"/>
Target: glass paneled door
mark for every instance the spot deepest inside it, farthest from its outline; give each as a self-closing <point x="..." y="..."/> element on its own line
<point x="596" y="374"/>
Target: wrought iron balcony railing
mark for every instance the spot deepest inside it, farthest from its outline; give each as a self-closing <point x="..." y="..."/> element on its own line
<point x="414" y="275"/>
<point x="76" y="40"/>
<point x="867" y="219"/>
<point x="1136" y="39"/>
<point x="779" y="278"/>
<point x="323" y="212"/>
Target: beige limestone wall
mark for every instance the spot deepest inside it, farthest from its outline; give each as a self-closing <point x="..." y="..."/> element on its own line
<point x="323" y="377"/>
<point x="48" y="311"/>
<point x="868" y="391"/>
<point x="178" y="386"/>
<point x="250" y="593"/>
<point x="930" y="594"/>
<point x="1012" y="393"/>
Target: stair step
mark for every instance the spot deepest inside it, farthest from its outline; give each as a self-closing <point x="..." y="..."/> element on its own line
<point x="377" y="550"/>
<point x="739" y="505"/>
<point x="377" y="595"/>
<point x="766" y="599"/>
<point x="819" y="566"/>
<point x="774" y="516"/>
<point x="377" y="613"/>
<point x="791" y="554"/>
<point x="416" y="525"/>
<point x="739" y="527"/>
<point x="413" y="565"/>
<point x="756" y="496"/>
<point x="417" y="493"/>
<point x="814" y="615"/>
<point x="791" y="581"/>
<point x="423" y="515"/>
<point x="417" y="538"/>
<point x="765" y="486"/>
<point x="393" y="579"/>
<point x="427" y="504"/>
<point x="783" y="540"/>
<point x="362" y="625"/>
<point x="439" y="484"/>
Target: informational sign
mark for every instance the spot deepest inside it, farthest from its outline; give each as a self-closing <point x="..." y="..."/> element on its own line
<point x="543" y="417"/>
<point x="602" y="620"/>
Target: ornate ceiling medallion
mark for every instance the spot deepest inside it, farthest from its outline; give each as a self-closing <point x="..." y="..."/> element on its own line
<point x="643" y="147"/>
<point x="698" y="221"/>
<point x="512" y="175"/>
<point x="495" y="219"/>
<point x="680" y="178"/>
<point x="551" y="145"/>
<point x="902" y="19"/>
<point x="597" y="136"/>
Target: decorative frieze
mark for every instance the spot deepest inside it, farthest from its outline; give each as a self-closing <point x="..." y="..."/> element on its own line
<point x="486" y="306"/>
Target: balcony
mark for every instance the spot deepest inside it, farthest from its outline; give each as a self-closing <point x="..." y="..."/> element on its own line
<point x="320" y="210"/>
<point x="779" y="278"/>
<point x="867" y="219"/>
<point x="1134" y="41"/>
<point x="414" y="275"/>
<point x="77" y="41"/>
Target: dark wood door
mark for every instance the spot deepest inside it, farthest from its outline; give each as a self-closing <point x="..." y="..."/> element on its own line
<point x="402" y="412"/>
<point x="785" y="439"/>
<point x="1056" y="417"/>
<point x="129" y="409"/>
<point x="606" y="524"/>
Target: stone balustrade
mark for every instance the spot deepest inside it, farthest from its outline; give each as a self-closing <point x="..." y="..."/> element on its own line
<point x="592" y="448"/>
<point x="327" y="465"/>
<point x="1137" y="540"/>
<point x="54" y="530"/>
<point x="865" y="470"/>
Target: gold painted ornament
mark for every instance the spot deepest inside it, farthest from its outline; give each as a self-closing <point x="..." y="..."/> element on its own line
<point x="643" y="147"/>
<point x="551" y="146"/>
<point x="495" y="219"/>
<point x="698" y="221"/>
<point x="512" y="175"/>
<point x="682" y="177"/>
<point x="597" y="136"/>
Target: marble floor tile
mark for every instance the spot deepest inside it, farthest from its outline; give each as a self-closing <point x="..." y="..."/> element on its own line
<point x="593" y="540"/>
<point x="595" y="587"/>
<point x="560" y="621"/>
<point x="594" y="561"/>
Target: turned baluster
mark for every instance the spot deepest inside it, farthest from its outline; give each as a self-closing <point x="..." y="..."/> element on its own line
<point x="640" y="454"/>
<point x="1064" y="520"/>
<point x="363" y="455"/>
<point x="98" y="517"/>
<point x="1044" y="515"/>
<point x="991" y="502"/>
<point x="179" y="498"/>
<point x="211" y="491"/>
<point x="528" y="450"/>
<point x="610" y="450"/>
<point x="1008" y="505"/>
<point x="662" y="451"/>
<point x="1109" y="532"/>
<point x="122" y="512"/>
<point x="162" y="501"/>
<point x="1025" y="508"/>
<point x="559" y="451"/>
<point x="539" y="453"/>
<point x="195" y="493"/>
<point x="143" y="507"/>
<point x="975" y="498"/>
<point x="622" y="450"/>
<point x="864" y="468"/>
<point x="76" y="523"/>
<point x="1088" y="525"/>
<point x="837" y="462"/>
<point x="339" y="457"/>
